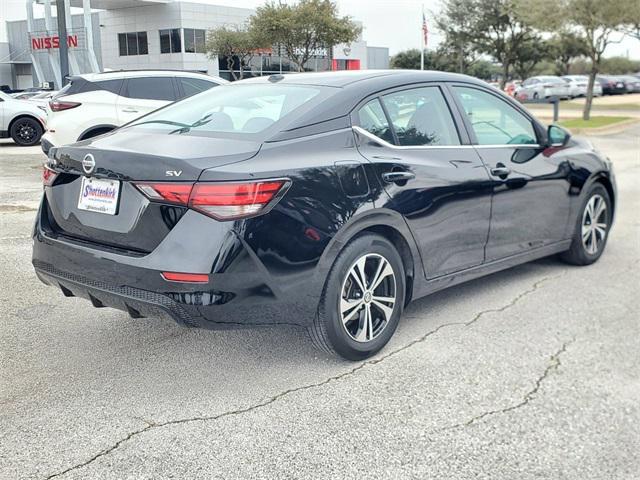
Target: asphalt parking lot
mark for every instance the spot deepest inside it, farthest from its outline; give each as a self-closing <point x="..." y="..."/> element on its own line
<point x="529" y="373"/>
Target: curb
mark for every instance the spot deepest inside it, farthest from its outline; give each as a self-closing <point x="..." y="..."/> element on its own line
<point x="608" y="129"/>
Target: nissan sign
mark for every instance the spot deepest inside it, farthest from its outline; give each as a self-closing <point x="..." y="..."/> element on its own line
<point x="49" y="42"/>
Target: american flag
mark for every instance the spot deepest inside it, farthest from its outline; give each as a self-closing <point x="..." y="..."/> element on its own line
<point x="425" y="29"/>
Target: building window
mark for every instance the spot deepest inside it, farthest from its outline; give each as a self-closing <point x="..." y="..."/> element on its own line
<point x="134" y="43"/>
<point x="194" y="40"/>
<point x="170" y="41"/>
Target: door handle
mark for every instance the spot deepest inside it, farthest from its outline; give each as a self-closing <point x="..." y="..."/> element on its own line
<point x="398" y="177"/>
<point x="500" y="170"/>
<point x="130" y="110"/>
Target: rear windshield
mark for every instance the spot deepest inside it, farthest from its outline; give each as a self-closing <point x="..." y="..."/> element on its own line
<point x="234" y="109"/>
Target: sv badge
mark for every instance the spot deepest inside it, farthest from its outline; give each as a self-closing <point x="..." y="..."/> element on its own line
<point x="173" y="173"/>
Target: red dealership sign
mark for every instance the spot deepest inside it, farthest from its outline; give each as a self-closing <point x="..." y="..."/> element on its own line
<point x="45" y="43"/>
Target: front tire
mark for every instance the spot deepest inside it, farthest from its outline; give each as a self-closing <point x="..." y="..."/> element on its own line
<point x="362" y="300"/>
<point x="591" y="229"/>
<point x="26" y="131"/>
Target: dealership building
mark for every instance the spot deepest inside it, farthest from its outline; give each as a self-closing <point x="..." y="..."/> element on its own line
<point x="145" y="34"/>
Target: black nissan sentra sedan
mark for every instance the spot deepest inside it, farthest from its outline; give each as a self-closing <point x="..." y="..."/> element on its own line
<point x="328" y="200"/>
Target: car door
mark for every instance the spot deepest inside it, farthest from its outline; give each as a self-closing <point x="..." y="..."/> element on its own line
<point x="141" y="95"/>
<point x="430" y="174"/>
<point x="530" y="205"/>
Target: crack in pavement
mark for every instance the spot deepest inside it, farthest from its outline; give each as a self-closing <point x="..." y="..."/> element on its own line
<point x="151" y="425"/>
<point x="554" y="364"/>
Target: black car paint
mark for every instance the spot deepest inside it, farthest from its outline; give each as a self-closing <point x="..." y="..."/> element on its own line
<point x="272" y="268"/>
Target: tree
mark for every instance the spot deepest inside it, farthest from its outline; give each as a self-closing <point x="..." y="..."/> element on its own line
<point x="564" y="48"/>
<point x="231" y="43"/>
<point x="303" y="29"/>
<point x="458" y="29"/>
<point x="407" y="59"/>
<point x="492" y="27"/>
<point x="533" y="51"/>
<point x="595" y="21"/>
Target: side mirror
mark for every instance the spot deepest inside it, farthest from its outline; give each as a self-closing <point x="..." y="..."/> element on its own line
<point x="557" y="136"/>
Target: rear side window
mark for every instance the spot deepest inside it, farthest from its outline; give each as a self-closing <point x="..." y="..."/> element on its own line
<point x="420" y="116"/>
<point x="494" y="121"/>
<point x="80" y="85"/>
<point x="191" y="86"/>
<point x="112" y="86"/>
<point x="150" y="88"/>
<point x="371" y="117"/>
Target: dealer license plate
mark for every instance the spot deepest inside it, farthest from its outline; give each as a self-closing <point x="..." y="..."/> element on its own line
<point x="99" y="195"/>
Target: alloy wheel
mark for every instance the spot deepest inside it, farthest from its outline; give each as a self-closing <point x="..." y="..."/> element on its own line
<point x="26" y="132"/>
<point x="594" y="224"/>
<point x="368" y="297"/>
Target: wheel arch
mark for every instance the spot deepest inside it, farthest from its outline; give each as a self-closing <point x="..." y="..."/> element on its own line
<point x="390" y="225"/>
<point x="608" y="185"/>
<point x="24" y="115"/>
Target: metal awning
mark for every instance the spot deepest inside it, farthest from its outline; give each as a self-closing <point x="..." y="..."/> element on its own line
<point x="112" y="4"/>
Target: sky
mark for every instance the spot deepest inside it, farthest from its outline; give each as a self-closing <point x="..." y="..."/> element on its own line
<point x="387" y="23"/>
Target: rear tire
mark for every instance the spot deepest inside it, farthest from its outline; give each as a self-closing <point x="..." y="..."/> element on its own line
<point x="591" y="229"/>
<point x="357" y="316"/>
<point x="26" y="131"/>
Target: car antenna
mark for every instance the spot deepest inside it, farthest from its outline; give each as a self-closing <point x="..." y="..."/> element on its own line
<point x="276" y="78"/>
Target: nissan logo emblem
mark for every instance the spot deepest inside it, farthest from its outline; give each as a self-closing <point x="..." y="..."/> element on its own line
<point x="88" y="163"/>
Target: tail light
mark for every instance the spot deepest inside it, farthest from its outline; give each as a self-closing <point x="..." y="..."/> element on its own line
<point x="59" y="106"/>
<point x="219" y="200"/>
<point x="48" y="176"/>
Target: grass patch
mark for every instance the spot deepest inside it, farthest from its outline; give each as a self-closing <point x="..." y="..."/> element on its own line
<point x="593" y="122"/>
<point x="599" y="106"/>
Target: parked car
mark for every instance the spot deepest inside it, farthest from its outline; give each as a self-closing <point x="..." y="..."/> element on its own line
<point x="511" y="87"/>
<point x="631" y="83"/>
<point x="25" y="95"/>
<point x="42" y="99"/>
<point x="541" y="87"/>
<point x="21" y="120"/>
<point x="363" y="191"/>
<point x="94" y="104"/>
<point x="578" y="85"/>
<point x="611" y="85"/>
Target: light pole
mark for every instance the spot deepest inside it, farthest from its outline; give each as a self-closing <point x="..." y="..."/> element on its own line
<point x="62" y="41"/>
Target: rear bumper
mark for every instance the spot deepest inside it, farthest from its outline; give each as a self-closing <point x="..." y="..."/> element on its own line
<point x="137" y="302"/>
<point x="240" y="292"/>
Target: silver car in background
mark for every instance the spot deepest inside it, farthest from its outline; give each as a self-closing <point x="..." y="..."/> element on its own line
<point x="578" y="85"/>
<point x="541" y="87"/>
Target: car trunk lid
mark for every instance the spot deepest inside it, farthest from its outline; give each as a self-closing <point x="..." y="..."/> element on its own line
<point x="113" y="164"/>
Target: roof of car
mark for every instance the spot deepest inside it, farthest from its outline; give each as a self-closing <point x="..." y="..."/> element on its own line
<point x="345" y="78"/>
<point x="117" y="74"/>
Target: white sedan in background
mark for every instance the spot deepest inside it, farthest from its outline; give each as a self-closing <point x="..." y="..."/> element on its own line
<point x="578" y="86"/>
<point x="542" y="87"/>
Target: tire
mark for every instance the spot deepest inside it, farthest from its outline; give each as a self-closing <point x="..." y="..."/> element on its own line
<point x="584" y="251"/>
<point x="357" y="339"/>
<point x="26" y="131"/>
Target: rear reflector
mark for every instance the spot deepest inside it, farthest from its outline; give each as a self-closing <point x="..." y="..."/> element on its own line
<point x="59" y="106"/>
<point x="185" y="277"/>
<point x="220" y="200"/>
<point x="48" y="176"/>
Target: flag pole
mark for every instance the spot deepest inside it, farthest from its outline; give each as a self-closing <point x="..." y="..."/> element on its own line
<point x="422" y="41"/>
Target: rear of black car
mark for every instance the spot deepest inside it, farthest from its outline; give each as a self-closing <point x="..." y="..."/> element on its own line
<point x="186" y="229"/>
